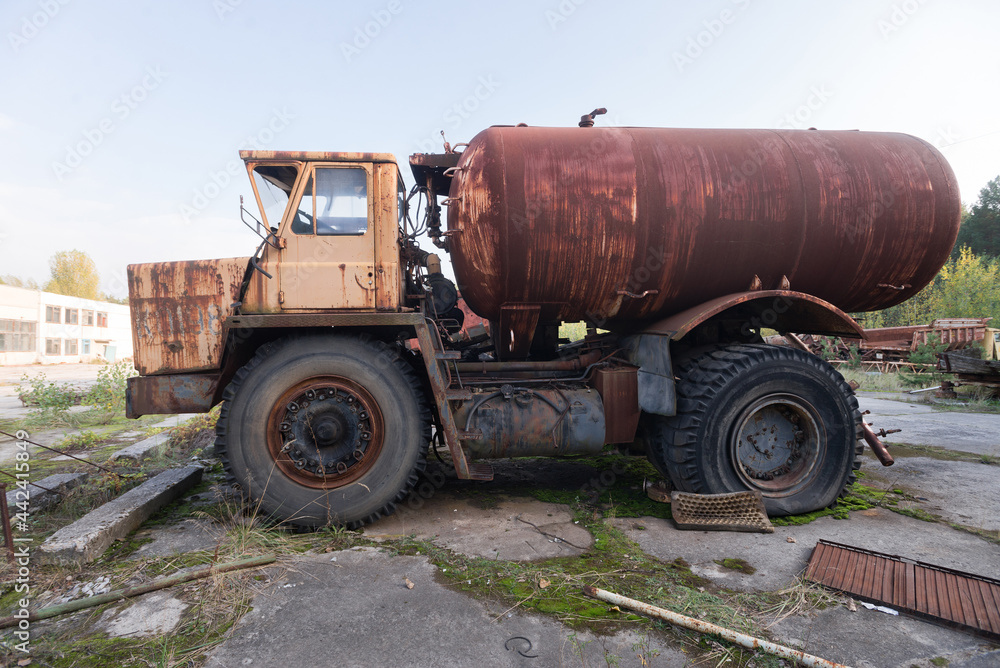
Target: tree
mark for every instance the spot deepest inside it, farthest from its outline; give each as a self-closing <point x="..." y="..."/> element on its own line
<point x="18" y="282"/>
<point x="980" y="230"/>
<point x="107" y="297"/>
<point x="74" y="274"/>
<point x="968" y="287"/>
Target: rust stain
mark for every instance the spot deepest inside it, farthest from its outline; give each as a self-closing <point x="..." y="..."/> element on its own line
<point x="956" y="598"/>
<point x="178" y="309"/>
<point x="571" y="220"/>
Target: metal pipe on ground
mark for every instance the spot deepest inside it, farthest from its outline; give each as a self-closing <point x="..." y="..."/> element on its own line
<point x="118" y="594"/>
<point x="704" y="627"/>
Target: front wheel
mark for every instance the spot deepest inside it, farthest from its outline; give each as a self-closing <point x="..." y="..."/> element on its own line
<point x="324" y="429"/>
<point x="757" y="417"/>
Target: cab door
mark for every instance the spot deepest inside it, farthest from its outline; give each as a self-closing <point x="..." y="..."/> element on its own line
<point x="328" y="259"/>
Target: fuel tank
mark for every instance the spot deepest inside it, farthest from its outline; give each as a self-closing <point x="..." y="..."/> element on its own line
<point x="618" y="225"/>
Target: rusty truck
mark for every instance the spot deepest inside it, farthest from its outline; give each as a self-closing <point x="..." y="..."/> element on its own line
<point x="338" y="351"/>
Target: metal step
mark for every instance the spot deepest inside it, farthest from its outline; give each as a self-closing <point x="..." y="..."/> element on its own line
<point x="458" y="394"/>
<point x="480" y="471"/>
<point x="471" y="435"/>
<point x="447" y="355"/>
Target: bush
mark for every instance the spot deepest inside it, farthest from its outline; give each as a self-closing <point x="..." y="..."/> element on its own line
<point x="46" y="395"/>
<point x="108" y="393"/>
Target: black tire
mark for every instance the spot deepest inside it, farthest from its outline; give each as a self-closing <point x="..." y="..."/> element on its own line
<point x="759" y="417"/>
<point x="324" y="429"/>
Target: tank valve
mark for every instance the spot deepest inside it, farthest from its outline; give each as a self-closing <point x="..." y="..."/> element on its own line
<point x="588" y="120"/>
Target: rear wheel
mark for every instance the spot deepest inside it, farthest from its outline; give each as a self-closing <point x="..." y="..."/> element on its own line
<point x="757" y="417"/>
<point x="324" y="429"/>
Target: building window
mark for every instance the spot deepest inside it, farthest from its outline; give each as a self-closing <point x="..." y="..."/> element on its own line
<point x="88" y="318"/>
<point x="52" y="314"/>
<point x="53" y="346"/>
<point x="72" y="316"/>
<point x="17" y="336"/>
<point x="72" y="347"/>
<point x="102" y="319"/>
<point x="86" y="346"/>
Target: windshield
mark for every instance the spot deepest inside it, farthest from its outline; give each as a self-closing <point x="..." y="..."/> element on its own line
<point x="274" y="185"/>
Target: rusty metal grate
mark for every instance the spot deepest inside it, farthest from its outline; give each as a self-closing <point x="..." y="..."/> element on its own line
<point x="740" y="511"/>
<point x="968" y="601"/>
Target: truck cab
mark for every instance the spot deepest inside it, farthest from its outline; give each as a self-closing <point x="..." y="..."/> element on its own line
<point x="333" y="221"/>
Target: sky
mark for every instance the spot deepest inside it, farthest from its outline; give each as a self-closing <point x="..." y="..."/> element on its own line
<point x="121" y="122"/>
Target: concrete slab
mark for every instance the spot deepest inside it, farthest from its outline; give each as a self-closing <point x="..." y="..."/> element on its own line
<point x="9" y="447"/>
<point x="189" y="535"/>
<point x="778" y="562"/>
<point x="922" y="424"/>
<point x="83" y="375"/>
<point x="878" y="640"/>
<point x="357" y="611"/>
<point x="174" y="421"/>
<point x="964" y="493"/>
<point x="152" y="614"/>
<point x="499" y="532"/>
<point x="48" y="491"/>
<point x="145" y="448"/>
<point x="87" y="538"/>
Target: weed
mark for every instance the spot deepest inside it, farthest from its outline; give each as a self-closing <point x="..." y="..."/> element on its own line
<point x="79" y="440"/>
<point x="797" y="599"/>
<point x="916" y="513"/>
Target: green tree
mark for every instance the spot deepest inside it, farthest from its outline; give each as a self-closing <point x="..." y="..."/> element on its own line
<point x="980" y="229"/>
<point x="74" y="274"/>
<point x="967" y="287"/>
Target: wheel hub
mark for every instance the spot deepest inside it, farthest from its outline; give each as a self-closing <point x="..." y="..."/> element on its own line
<point x="776" y="444"/>
<point x="325" y="432"/>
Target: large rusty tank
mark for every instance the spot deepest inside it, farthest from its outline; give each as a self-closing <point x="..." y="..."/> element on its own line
<point x="635" y="224"/>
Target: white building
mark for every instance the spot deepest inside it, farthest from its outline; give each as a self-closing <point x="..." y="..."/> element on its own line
<point x="46" y="328"/>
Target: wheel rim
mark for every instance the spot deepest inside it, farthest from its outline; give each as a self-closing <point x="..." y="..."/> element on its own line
<point x="777" y="445"/>
<point x="325" y="432"/>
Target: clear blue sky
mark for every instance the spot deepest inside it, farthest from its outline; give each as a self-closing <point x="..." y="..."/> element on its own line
<point x="160" y="96"/>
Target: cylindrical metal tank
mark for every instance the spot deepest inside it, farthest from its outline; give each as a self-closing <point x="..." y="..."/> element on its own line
<point x="571" y="220"/>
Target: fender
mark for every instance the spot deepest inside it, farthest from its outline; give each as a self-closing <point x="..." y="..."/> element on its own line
<point x="782" y="310"/>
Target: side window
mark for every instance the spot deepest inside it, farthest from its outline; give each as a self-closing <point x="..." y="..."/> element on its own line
<point x="274" y="185"/>
<point x="341" y="201"/>
<point x="334" y="203"/>
<point x="303" y="221"/>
